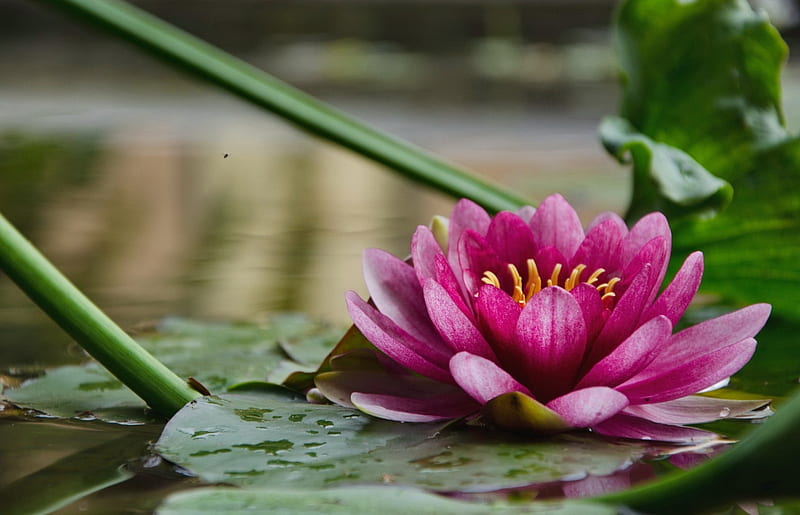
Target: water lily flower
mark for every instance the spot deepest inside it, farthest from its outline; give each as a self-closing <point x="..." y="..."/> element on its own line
<point x="533" y="323"/>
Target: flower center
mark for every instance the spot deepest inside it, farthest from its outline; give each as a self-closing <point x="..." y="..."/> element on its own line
<point x="523" y="292"/>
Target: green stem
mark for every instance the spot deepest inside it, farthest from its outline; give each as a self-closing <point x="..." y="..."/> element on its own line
<point x="214" y="65"/>
<point x="762" y="466"/>
<point x="160" y="388"/>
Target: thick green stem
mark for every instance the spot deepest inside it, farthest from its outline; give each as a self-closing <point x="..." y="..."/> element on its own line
<point x="160" y="388"/>
<point x="214" y="65"/>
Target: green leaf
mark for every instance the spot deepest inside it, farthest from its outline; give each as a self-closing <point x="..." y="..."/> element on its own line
<point x="680" y="185"/>
<point x="702" y="90"/>
<point x="345" y="501"/>
<point x="762" y="466"/>
<point x="218" y="355"/>
<point x="267" y="440"/>
<point x="84" y="392"/>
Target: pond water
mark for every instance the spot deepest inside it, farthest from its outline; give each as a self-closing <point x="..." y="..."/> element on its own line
<point x="206" y="208"/>
<point x="202" y="207"/>
<point x="190" y="203"/>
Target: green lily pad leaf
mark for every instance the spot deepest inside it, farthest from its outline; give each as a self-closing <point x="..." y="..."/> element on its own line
<point x="86" y="392"/>
<point x="269" y="440"/>
<point x="680" y="184"/>
<point x="239" y="351"/>
<point x="702" y="79"/>
<point x="218" y="355"/>
<point x="364" y="499"/>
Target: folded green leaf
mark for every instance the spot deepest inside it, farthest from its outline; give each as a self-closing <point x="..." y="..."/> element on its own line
<point x="665" y="178"/>
<point x="701" y="105"/>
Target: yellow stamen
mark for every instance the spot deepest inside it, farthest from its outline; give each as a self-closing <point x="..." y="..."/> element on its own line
<point x="490" y="278"/>
<point x="611" y="284"/>
<point x="595" y="276"/>
<point x="534" y="284"/>
<point x="554" y="277"/>
<point x="518" y="294"/>
<point x="574" y="277"/>
<point x="523" y="292"/>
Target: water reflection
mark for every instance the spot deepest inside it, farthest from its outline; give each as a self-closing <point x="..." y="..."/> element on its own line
<point x="231" y="214"/>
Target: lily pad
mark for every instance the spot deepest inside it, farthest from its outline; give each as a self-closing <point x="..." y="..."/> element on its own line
<point x="365" y="499"/>
<point x="218" y="355"/>
<point x="86" y="392"/>
<point x="268" y="439"/>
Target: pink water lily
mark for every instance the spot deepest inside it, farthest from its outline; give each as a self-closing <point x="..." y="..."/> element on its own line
<point x="536" y="324"/>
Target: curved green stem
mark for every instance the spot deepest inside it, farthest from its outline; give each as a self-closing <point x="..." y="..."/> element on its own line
<point x="216" y="66"/>
<point x="157" y="385"/>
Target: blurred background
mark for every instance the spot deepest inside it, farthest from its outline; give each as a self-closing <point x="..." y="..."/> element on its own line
<point x="158" y="195"/>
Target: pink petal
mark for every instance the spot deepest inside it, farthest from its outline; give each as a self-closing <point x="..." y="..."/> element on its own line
<point x="631" y="356"/>
<point x="697" y="409"/>
<point x="454" y="326"/>
<point x="624" y="318"/>
<point x="397" y="293"/>
<point x="676" y="297"/>
<point x="608" y="215"/>
<point x="654" y="254"/>
<point x="475" y="257"/>
<point x="430" y="262"/>
<point x="429" y="360"/>
<point x="588" y="299"/>
<point x="711" y="335"/>
<point x="497" y="314"/>
<point x="444" y="275"/>
<point x="589" y="406"/>
<point x="482" y="379"/>
<point x="626" y="426"/>
<point x="550" y="342"/>
<point x="526" y="213"/>
<point x="466" y="215"/>
<point x="424" y="250"/>
<point x="688" y="377"/>
<point x="651" y="226"/>
<point x="546" y="260"/>
<point x="555" y="224"/>
<point x="511" y="239"/>
<point x="409" y="409"/>
<point x="600" y="248"/>
<point x="339" y="385"/>
<point x="592" y="486"/>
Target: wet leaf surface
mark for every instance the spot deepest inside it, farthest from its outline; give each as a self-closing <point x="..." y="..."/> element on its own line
<point x="365" y="499"/>
<point x="259" y="440"/>
<point x="217" y="354"/>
